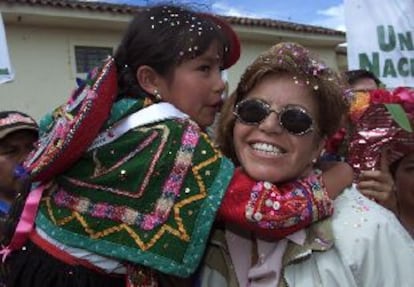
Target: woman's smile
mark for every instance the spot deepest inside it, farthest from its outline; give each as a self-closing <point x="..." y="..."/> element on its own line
<point x="267" y="149"/>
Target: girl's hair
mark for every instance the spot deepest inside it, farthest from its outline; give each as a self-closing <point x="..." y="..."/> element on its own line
<point x="163" y="37"/>
<point x="306" y="69"/>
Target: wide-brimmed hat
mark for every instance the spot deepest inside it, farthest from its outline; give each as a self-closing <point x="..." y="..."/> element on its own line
<point x="11" y="121"/>
<point x="380" y="119"/>
<point x="75" y="124"/>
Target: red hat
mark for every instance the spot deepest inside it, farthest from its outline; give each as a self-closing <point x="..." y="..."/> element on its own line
<point x="381" y="119"/>
<point x="234" y="43"/>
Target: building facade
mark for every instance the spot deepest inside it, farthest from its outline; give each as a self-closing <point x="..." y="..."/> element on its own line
<point x="52" y="42"/>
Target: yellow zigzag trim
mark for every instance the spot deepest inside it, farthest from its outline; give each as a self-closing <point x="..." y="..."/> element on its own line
<point x="181" y="233"/>
<point x="96" y="235"/>
<point x="201" y="185"/>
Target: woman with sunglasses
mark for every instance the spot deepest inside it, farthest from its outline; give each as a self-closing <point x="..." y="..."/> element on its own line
<point x="273" y="127"/>
<point x="288" y="206"/>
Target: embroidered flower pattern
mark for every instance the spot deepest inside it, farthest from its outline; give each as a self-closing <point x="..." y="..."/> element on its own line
<point x="271" y="207"/>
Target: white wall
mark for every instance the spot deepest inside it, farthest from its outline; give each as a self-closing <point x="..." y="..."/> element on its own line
<point x="43" y="59"/>
<point x="44" y="66"/>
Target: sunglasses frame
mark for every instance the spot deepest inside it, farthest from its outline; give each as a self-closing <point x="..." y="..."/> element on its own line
<point x="269" y="110"/>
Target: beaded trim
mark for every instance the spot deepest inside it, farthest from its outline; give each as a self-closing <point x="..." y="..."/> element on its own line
<point x="271" y="207"/>
<point x="66" y="125"/>
<point x="196" y="242"/>
<point x="93" y="240"/>
<point x="15" y="118"/>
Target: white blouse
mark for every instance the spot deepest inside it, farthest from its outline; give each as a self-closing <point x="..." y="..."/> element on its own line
<point x="371" y="249"/>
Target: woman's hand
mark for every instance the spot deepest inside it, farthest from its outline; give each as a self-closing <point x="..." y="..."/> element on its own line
<point x="379" y="185"/>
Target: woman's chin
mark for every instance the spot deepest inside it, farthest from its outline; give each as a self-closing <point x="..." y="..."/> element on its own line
<point x="264" y="173"/>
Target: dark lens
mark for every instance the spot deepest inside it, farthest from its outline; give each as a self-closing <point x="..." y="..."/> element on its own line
<point x="296" y="121"/>
<point x="251" y="111"/>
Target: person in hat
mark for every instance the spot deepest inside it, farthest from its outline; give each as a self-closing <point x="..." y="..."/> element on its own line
<point x="391" y="152"/>
<point x="375" y="183"/>
<point x="18" y="134"/>
<point x="402" y="166"/>
<point x="273" y="127"/>
<point x="359" y="81"/>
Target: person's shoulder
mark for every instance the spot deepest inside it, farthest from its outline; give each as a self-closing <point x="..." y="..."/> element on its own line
<point x="354" y="210"/>
<point x="370" y="240"/>
<point x="351" y="204"/>
<point x="357" y="218"/>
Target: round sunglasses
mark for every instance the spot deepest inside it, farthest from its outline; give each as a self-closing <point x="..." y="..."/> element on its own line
<point x="294" y="119"/>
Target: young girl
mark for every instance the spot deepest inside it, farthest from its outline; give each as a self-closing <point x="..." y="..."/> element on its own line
<point x="139" y="185"/>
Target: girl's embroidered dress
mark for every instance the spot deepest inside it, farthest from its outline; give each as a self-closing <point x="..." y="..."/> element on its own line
<point x="146" y="196"/>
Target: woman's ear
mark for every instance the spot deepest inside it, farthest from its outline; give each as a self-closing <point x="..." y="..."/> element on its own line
<point x="320" y="147"/>
<point x="148" y="79"/>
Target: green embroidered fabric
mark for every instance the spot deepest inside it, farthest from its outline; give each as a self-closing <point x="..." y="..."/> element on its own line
<point x="149" y="197"/>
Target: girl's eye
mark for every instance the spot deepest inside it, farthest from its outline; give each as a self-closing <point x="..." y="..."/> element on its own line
<point x="205" y="68"/>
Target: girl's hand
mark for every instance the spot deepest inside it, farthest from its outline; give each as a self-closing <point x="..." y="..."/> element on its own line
<point x="337" y="176"/>
<point x="7" y="179"/>
<point x="378" y="185"/>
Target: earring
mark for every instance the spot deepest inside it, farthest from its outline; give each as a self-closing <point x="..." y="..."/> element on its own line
<point x="314" y="160"/>
<point x="157" y="95"/>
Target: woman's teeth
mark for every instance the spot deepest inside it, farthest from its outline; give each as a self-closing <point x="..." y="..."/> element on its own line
<point x="264" y="147"/>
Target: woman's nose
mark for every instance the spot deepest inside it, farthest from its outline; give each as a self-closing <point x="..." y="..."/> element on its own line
<point x="271" y="124"/>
